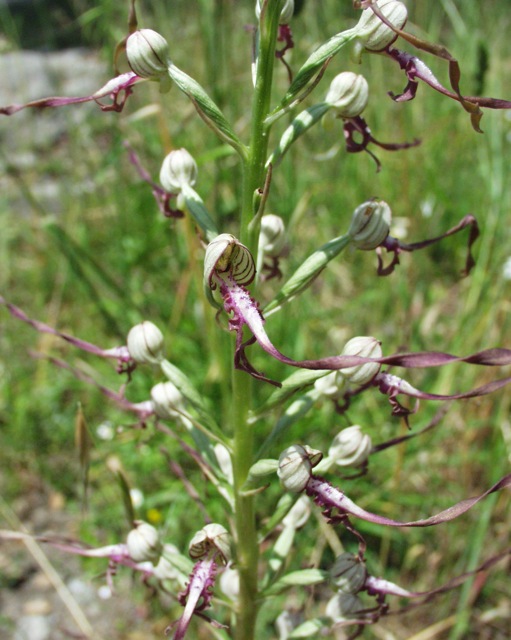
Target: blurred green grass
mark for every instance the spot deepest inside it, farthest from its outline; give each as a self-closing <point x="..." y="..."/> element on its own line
<point x="100" y="262"/>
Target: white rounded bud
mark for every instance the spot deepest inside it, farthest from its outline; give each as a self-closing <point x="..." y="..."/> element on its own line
<point x="272" y="237"/>
<point x="295" y="467"/>
<point x="211" y="540"/>
<point x="167" y="401"/>
<point x="374" y="34"/>
<point x="350" y="447"/>
<point x="148" y="54"/>
<point x="344" y="606"/>
<point x="370" y="224"/>
<point x="365" y="347"/>
<point x="286" y="12"/>
<point x="145" y="343"/>
<point x="143" y="542"/>
<point x="331" y="385"/>
<point x="348" y="573"/>
<point x="178" y="169"/>
<point x="348" y="94"/>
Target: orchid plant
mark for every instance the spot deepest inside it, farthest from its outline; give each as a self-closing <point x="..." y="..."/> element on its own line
<point x="223" y="578"/>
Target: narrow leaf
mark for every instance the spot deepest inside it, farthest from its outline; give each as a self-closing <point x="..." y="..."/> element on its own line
<point x="307" y="272"/>
<point x="206" y="108"/>
<point x="315" y="61"/>
<point x="200" y="214"/>
<point x="303" y="578"/>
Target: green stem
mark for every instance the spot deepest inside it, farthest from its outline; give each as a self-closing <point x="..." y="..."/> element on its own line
<point x="253" y="167"/>
<point x="247" y="550"/>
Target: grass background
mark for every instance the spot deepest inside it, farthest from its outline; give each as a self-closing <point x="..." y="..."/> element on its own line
<point x="102" y="258"/>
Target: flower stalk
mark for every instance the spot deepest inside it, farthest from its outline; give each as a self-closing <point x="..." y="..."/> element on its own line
<point x="243" y="441"/>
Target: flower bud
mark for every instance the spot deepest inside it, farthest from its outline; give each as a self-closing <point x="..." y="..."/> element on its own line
<point x="344" y="606"/>
<point x="370" y="224"/>
<point x="178" y="169"/>
<point x="167" y="400"/>
<point x="295" y="467"/>
<point x="348" y="94"/>
<point x="365" y="347"/>
<point x="145" y="343"/>
<point x="272" y="236"/>
<point x="144" y="543"/>
<point x="209" y="541"/>
<point x="331" y="385"/>
<point x="350" y="447"/>
<point x="374" y="34"/>
<point x="148" y="54"/>
<point x="286" y="12"/>
<point x="348" y="573"/>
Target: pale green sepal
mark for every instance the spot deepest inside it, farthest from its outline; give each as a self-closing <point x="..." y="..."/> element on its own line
<point x="206" y="108"/>
<point x="298" y="380"/>
<point x="303" y="121"/>
<point x="254" y="492"/>
<point x="284" y="506"/>
<point x="307" y="272"/>
<point x="315" y="61"/>
<point x="281" y="549"/>
<point x="307" y="629"/>
<point x="257" y="472"/>
<point x="198" y="211"/>
<point x="302" y="578"/>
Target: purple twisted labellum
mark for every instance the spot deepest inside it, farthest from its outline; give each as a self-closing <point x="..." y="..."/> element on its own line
<point x="416" y="69"/>
<point x="285" y="35"/>
<point x="392" y="386"/>
<point x="471" y="104"/>
<point x="121" y="354"/>
<point x="358" y="125"/>
<point x="327" y="496"/>
<point x="161" y="196"/>
<point x="116" y="553"/>
<point x="246" y="311"/>
<point x="393" y="245"/>
<point x="197" y="595"/>
<point x="117" y="89"/>
<point x="383" y="587"/>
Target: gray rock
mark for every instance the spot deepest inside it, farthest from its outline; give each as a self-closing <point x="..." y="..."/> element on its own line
<point x="29" y="75"/>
